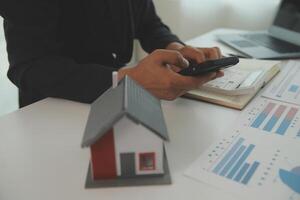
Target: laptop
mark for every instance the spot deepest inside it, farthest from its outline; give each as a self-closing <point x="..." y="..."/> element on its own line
<point x="281" y="40"/>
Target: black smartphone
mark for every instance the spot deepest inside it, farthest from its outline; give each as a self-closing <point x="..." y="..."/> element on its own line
<point x="195" y="69"/>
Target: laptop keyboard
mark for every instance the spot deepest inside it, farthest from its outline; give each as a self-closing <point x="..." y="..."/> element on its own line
<point x="273" y="43"/>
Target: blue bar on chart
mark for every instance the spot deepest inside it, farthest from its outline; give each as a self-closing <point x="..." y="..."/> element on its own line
<point x="233" y="160"/>
<point x="294" y="88"/>
<point x="287" y="121"/>
<point x="263" y="115"/>
<point x="250" y="173"/>
<point x="241" y="161"/>
<point x="242" y="172"/>
<point x="234" y="166"/>
<point x="234" y="148"/>
<point x="274" y="119"/>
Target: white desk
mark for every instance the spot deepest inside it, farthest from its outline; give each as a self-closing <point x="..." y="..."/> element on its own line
<point x="41" y="158"/>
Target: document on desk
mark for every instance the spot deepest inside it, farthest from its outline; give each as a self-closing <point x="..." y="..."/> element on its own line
<point x="251" y="164"/>
<point x="251" y="66"/>
<point x="268" y="116"/>
<point x="286" y="86"/>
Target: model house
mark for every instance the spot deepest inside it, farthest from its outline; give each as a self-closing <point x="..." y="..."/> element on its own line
<point x="125" y="132"/>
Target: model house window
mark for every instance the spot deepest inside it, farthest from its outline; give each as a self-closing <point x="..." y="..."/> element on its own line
<point x="147" y="161"/>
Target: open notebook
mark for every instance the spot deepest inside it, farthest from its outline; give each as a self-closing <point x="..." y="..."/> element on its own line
<point x="269" y="70"/>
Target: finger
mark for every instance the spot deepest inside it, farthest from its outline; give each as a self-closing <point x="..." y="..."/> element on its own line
<point x="219" y="52"/>
<point x="166" y="57"/>
<point x="210" y="53"/>
<point x="219" y="74"/>
<point x="177" y="93"/>
<point x="170" y="94"/>
<point x="175" y="69"/>
<point x="193" y="54"/>
<point x="182" y="92"/>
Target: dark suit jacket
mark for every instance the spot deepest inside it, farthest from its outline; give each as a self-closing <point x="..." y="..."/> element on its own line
<point x="69" y="48"/>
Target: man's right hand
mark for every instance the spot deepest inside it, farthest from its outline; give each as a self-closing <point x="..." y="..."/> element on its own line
<point x="157" y="73"/>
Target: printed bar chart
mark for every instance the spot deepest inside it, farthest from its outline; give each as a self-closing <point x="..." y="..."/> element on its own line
<point x="228" y="155"/>
<point x="242" y="172"/>
<point x="259" y="157"/>
<point x="240" y="162"/>
<point x="263" y="115"/>
<point x="274" y="119"/>
<point x="287" y="121"/>
<point x="250" y="173"/>
<point x="234" y="166"/>
<point x="233" y="160"/>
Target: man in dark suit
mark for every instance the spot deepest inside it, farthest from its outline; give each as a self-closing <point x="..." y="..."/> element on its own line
<point x="69" y="49"/>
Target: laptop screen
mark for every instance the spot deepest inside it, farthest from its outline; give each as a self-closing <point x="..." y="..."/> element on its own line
<point x="288" y="16"/>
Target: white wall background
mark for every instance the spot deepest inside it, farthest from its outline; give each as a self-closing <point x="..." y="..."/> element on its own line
<point x="190" y="18"/>
<point x="187" y="18"/>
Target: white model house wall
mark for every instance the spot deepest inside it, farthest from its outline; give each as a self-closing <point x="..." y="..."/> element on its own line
<point x="130" y="137"/>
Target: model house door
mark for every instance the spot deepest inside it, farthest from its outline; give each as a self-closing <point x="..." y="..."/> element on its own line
<point x="127" y="164"/>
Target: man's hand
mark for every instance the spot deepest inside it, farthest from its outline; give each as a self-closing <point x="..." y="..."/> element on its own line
<point x="156" y="75"/>
<point x="198" y="55"/>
